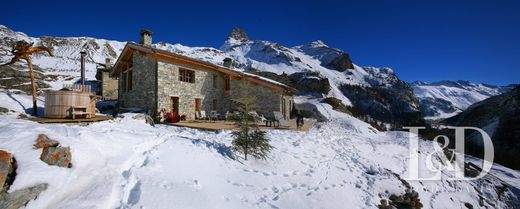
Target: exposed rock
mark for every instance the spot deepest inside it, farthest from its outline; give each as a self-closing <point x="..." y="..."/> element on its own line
<point x="43" y="141"/>
<point x="341" y="63"/>
<point x="59" y="156"/>
<point x="336" y="104"/>
<point x="16" y="77"/>
<point x="238" y="34"/>
<point x="7" y="170"/>
<point x="410" y="199"/>
<point x="20" y="198"/>
<point x="310" y="82"/>
<point x="3" y="110"/>
<point x="395" y="105"/>
<point x="384" y="205"/>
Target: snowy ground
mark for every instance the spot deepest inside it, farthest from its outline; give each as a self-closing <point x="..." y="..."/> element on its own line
<point x="126" y="163"/>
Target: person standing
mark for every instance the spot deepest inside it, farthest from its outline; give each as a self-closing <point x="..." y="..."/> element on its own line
<point x="299" y="120"/>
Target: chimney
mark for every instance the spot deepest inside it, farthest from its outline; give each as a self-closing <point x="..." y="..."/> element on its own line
<point x="228" y="62"/>
<point x="83" y="53"/>
<point x="108" y="63"/>
<point x="146" y="38"/>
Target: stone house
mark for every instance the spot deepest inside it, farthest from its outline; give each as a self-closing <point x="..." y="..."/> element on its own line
<point x="152" y="79"/>
<point x="108" y="85"/>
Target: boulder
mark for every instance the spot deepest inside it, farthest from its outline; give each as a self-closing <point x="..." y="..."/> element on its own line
<point x="3" y="110"/>
<point x="59" y="156"/>
<point x="7" y="170"/>
<point x="43" y="141"/>
<point x="20" y="198"/>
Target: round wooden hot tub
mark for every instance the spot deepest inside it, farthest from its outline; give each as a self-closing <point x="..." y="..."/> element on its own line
<point x="62" y="104"/>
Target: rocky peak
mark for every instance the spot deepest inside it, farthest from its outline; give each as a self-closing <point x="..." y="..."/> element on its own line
<point x="317" y="44"/>
<point x="238" y="34"/>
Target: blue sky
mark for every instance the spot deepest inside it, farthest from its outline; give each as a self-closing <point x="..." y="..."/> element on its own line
<point x="477" y="41"/>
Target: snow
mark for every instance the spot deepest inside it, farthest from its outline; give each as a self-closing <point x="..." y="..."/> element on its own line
<point x="126" y="163"/>
<point x="461" y="94"/>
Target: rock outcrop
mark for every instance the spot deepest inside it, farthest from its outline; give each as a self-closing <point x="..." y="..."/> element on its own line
<point x="15" y="77"/>
<point x="238" y="34"/>
<point x="310" y="82"/>
<point x="7" y="170"/>
<point x="52" y="153"/>
<point x="59" y="156"/>
<point x="43" y="141"/>
<point x="19" y="198"/>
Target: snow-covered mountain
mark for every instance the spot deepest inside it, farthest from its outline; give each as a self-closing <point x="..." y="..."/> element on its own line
<point x="444" y="99"/>
<point x="394" y="99"/>
<point x="499" y="117"/>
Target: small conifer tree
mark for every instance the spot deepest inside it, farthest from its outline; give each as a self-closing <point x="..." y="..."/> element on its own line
<point x="249" y="139"/>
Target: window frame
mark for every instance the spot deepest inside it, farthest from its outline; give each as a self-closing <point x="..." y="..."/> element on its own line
<point x="186" y="75"/>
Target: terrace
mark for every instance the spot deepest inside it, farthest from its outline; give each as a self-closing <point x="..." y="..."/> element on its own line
<point x="220" y="125"/>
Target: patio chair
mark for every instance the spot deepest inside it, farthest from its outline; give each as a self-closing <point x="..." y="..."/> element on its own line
<point x="227" y="117"/>
<point x="213" y="115"/>
<point x="278" y="116"/>
<point x="203" y="115"/>
<point x="197" y="115"/>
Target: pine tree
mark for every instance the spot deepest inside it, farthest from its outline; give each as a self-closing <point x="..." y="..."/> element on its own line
<point x="249" y="139"/>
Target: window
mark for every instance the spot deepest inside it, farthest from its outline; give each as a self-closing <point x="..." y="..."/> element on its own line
<point x="186" y="76"/>
<point x="226" y="84"/>
<point x="214" y="81"/>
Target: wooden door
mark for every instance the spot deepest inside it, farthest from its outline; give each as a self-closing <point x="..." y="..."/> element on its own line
<point x="197" y="104"/>
<point x="174" y="104"/>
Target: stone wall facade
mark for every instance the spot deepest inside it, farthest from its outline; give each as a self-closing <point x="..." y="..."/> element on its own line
<point x="267" y="100"/>
<point x="143" y="93"/>
<point x="211" y="95"/>
<point x="156" y="82"/>
<point x="109" y="86"/>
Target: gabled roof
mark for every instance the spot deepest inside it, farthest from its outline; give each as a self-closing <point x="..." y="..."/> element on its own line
<point x="127" y="52"/>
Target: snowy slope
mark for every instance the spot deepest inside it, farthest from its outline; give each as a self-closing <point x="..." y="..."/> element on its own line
<point x="66" y="52"/>
<point x="447" y="98"/>
<point x="126" y="163"/>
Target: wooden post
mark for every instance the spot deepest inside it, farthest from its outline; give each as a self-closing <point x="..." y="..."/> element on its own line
<point x="33" y="87"/>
